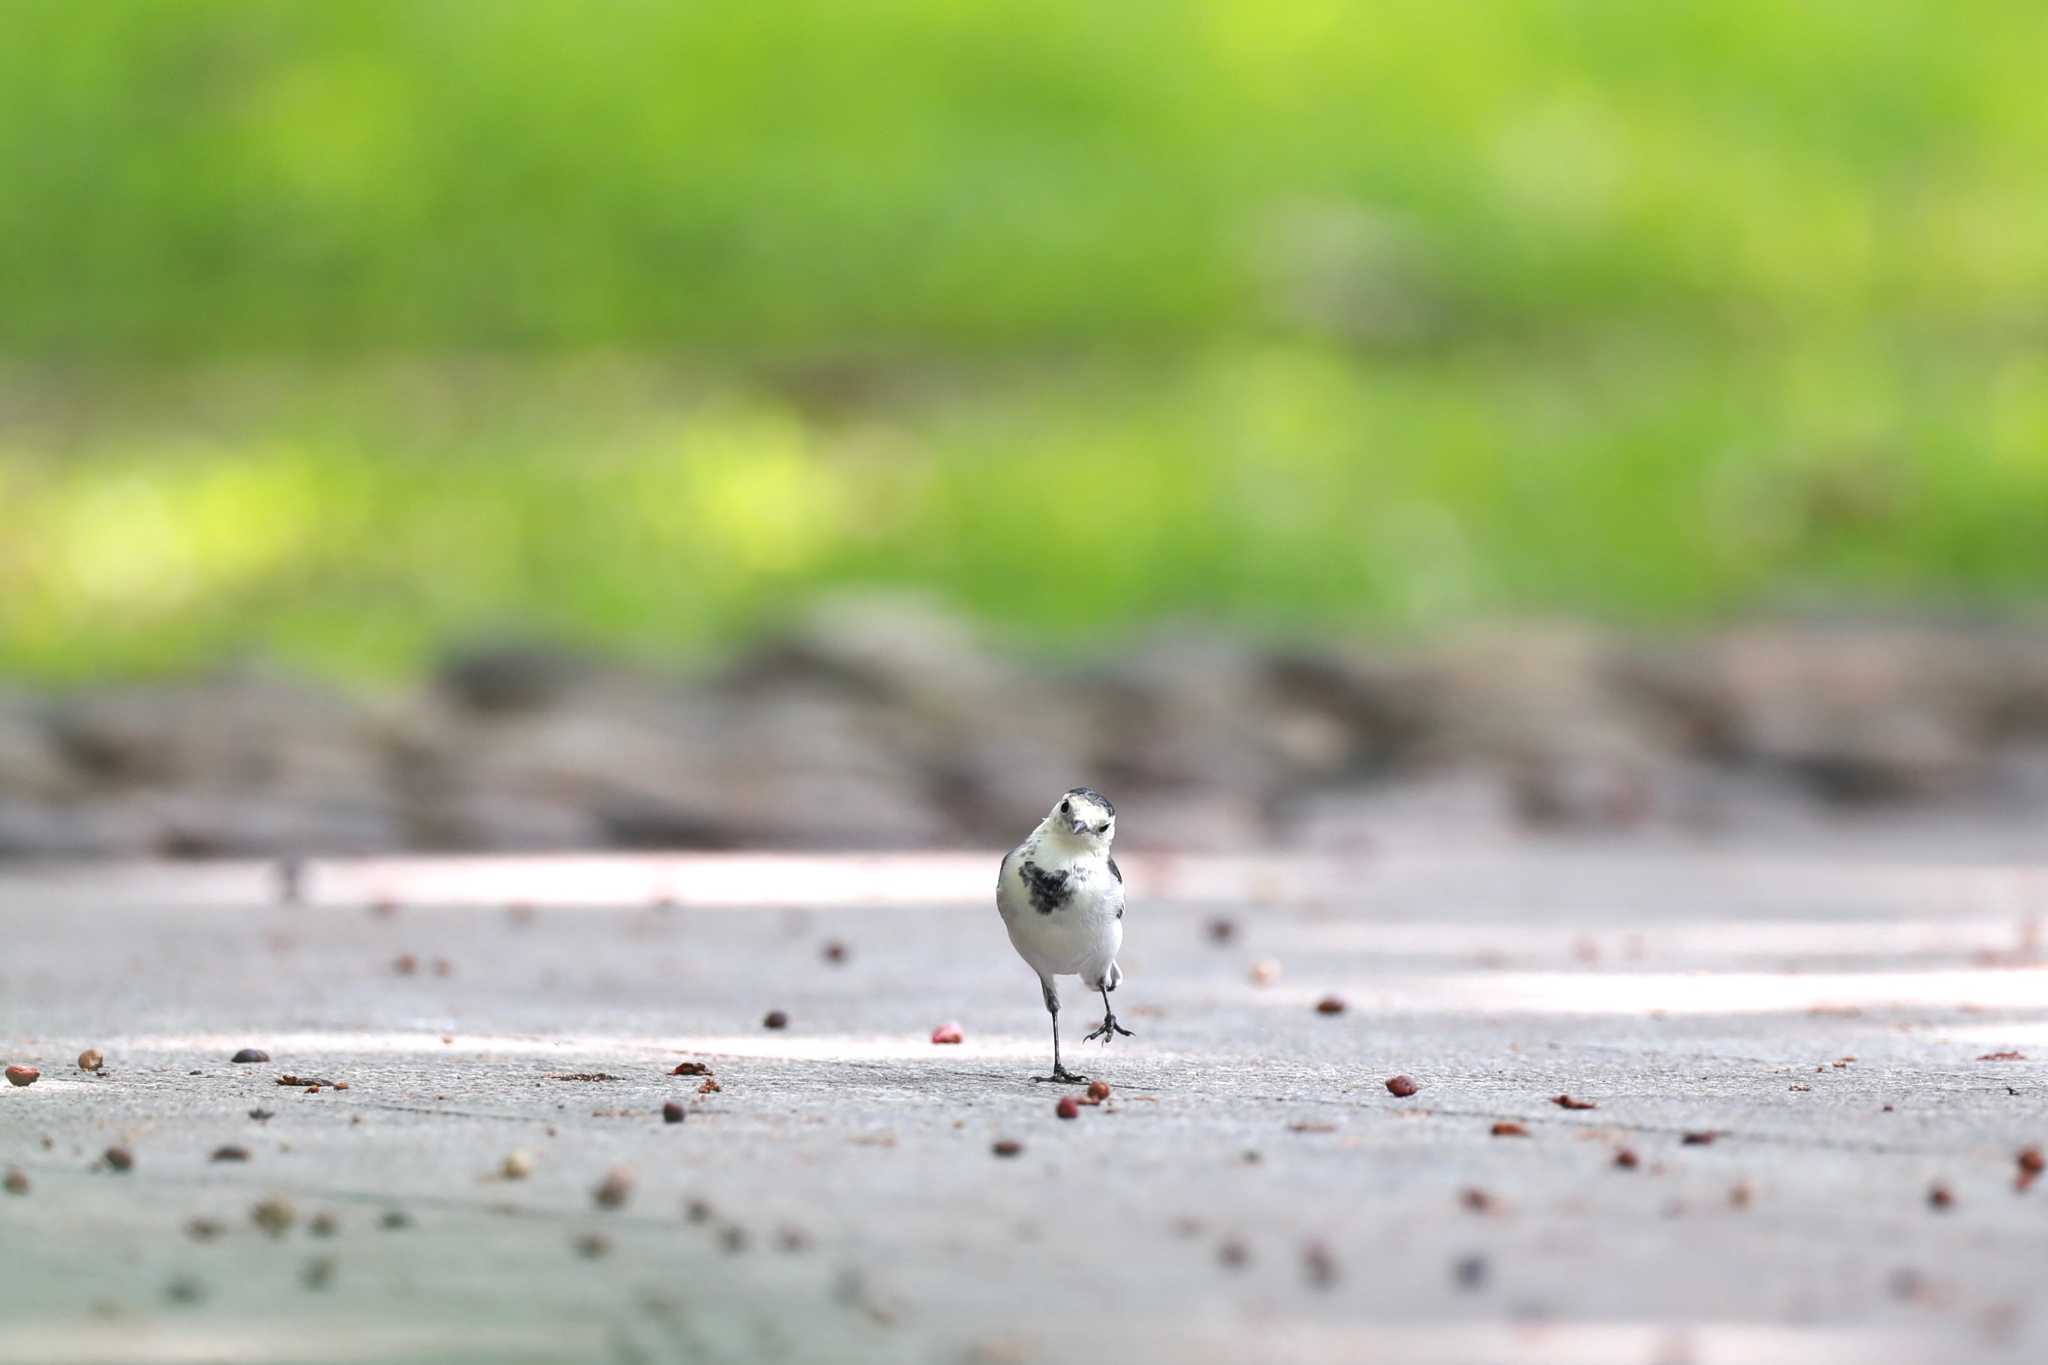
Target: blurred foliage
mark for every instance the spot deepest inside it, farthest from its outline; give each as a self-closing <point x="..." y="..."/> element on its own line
<point x="334" y="330"/>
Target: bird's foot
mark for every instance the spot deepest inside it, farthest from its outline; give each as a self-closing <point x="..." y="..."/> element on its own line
<point x="1061" y="1075"/>
<point x="1108" y="1031"/>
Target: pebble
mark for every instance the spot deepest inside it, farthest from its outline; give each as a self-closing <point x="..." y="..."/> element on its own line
<point x="1567" y="1102"/>
<point x="1626" y="1158"/>
<point x="1066" y="1108"/>
<point x="1330" y="1004"/>
<point x="592" y="1245"/>
<point x="733" y="1238"/>
<point x="1222" y="930"/>
<point x="946" y="1033"/>
<point x="672" y="1112"/>
<point x="1940" y="1197"/>
<point x="1318" y="1265"/>
<point x="775" y="1019"/>
<point x="1265" y="972"/>
<point x="319" y="1272"/>
<point x="615" y="1189"/>
<point x="395" y="1220"/>
<point x="119" y="1158"/>
<point x="92" y="1059"/>
<point x="1508" y="1129"/>
<point x="1469" y="1272"/>
<point x="1006" y="1147"/>
<point x="516" y="1166"/>
<point x="835" y="952"/>
<point x="230" y="1153"/>
<point x="15" y="1182"/>
<point x="250" y="1054"/>
<point x="274" y="1216"/>
<point x="22" y="1075"/>
<point x="323" y="1225"/>
<point x="1098" y="1091"/>
<point x="1401" y="1087"/>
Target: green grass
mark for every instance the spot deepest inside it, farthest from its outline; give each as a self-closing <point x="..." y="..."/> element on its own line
<point x="333" y="331"/>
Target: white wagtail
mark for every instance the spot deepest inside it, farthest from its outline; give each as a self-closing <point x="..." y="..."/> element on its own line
<point x="1062" y="899"/>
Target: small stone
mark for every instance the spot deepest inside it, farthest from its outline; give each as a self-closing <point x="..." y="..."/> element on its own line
<point x="395" y="1220"/>
<point x="1330" y="1004"/>
<point x="792" y="1239"/>
<point x="203" y="1229"/>
<point x="1006" y="1147"/>
<point x="946" y="1033"/>
<point x="119" y="1158"/>
<point x="1741" y="1195"/>
<point x="319" y="1272"/>
<point x="1469" y="1272"/>
<point x="323" y="1224"/>
<point x="1265" y="972"/>
<point x="262" y="1115"/>
<point x="2031" y="1160"/>
<point x="1066" y="1108"/>
<point x="1704" y="1138"/>
<point x="1940" y="1197"/>
<point x="1475" y="1200"/>
<point x="697" y="1211"/>
<point x="184" y="1289"/>
<point x="1506" y="1128"/>
<point x="1222" y="930"/>
<point x="250" y="1054"/>
<point x="710" y="1086"/>
<point x="1626" y="1158"/>
<point x="733" y="1238"/>
<point x="592" y="1245"/>
<point x="15" y="1182"/>
<point x="275" y="1216"/>
<point x="672" y="1112"/>
<point x="615" y="1189"/>
<point x="1401" y="1087"/>
<point x="835" y="952"/>
<point x="1098" y="1091"/>
<point x="775" y="1019"/>
<point x="516" y="1166"/>
<point x="405" y="964"/>
<point x="443" y="967"/>
<point x="1233" y="1254"/>
<point x="230" y="1153"/>
<point x="92" y="1059"/>
<point x="22" y="1075"/>
<point x="691" y="1069"/>
<point x="1567" y="1102"/>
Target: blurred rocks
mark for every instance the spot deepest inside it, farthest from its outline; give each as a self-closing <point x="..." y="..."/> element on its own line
<point x="886" y="723"/>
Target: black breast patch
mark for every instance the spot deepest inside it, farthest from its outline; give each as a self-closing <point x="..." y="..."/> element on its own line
<point x="1116" y="872"/>
<point x="1050" y="891"/>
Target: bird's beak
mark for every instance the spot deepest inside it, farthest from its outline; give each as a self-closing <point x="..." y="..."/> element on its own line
<point x="1079" y="826"/>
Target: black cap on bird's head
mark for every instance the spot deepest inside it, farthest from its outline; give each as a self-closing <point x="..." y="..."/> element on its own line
<point x="1086" y="814"/>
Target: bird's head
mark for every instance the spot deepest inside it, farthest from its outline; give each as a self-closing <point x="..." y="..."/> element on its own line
<point x="1084" y="816"/>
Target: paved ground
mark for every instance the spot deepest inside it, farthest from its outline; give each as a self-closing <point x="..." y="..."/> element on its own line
<point x="1250" y="1192"/>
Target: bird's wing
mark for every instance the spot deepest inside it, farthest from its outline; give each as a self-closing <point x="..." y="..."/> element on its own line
<point x="1114" y="871"/>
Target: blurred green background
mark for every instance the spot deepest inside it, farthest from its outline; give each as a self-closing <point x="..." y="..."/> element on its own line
<point x="332" y="333"/>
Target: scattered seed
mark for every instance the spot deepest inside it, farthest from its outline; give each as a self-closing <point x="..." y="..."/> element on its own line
<point x="1475" y="1200"/>
<point x="691" y="1069"/>
<point x="203" y="1229"/>
<point x="516" y="1166"/>
<point x="1098" y="1091"/>
<point x="395" y="1220"/>
<point x="184" y="1289"/>
<point x="275" y="1216"/>
<point x="1940" y="1196"/>
<point x="319" y="1272"/>
<point x="1625" y="1157"/>
<point x="615" y="1189"/>
<point x="443" y="967"/>
<point x="22" y="1075"/>
<point x="672" y="1112"/>
<point x="250" y="1054"/>
<point x="583" y="1076"/>
<point x="1330" y="1004"/>
<point x="323" y="1224"/>
<point x="775" y="1019"/>
<point x="1469" y="1272"/>
<point x="835" y="952"/>
<point x="1741" y="1194"/>
<point x="592" y="1245"/>
<point x="305" y="1082"/>
<point x="1508" y="1129"/>
<point x="946" y="1033"/>
<point x="262" y="1115"/>
<point x="1250" y="1156"/>
<point x="230" y="1153"/>
<point x="1401" y="1087"/>
<point x="1265" y="972"/>
<point x="1006" y="1147"/>
<point x="92" y="1059"/>
<point x="1308" y="1126"/>
<point x="710" y="1087"/>
<point x="1704" y="1138"/>
<point x="2006" y="1056"/>
<point x="2031" y="1160"/>
<point x="697" y="1211"/>
<point x="1066" y="1108"/>
<point x="119" y="1158"/>
<point x="1318" y="1265"/>
<point x="1222" y="930"/>
<point x="15" y="1182"/>
<point x="733" y="1238"/>
<point x="792" y="1239"/>
<point x="1234" y="1254"/>
<point x="1567" y="1102"/>
<point x="405" y="964"/>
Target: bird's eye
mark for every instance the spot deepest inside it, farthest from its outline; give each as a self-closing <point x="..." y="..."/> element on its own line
<point x="1066" y="808"/>
<point x="1102" y="828"/>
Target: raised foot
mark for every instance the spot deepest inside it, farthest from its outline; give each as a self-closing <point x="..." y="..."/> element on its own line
<point x="1109" y="1029"/>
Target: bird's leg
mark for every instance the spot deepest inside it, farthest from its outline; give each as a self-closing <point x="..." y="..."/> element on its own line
<point x="1110" y="1027"/>
<point x="1052" y="1007"/>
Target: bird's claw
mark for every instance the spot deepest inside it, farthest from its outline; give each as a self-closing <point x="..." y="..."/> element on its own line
<point x="1108" y="1031"/>
<point x="1062" y="1075"/>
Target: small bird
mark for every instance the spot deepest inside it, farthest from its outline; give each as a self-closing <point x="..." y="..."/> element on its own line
<point x="1062" y="899"/>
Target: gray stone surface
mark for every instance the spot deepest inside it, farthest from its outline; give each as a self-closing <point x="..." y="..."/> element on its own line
<point x="1821" y="1009"/>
